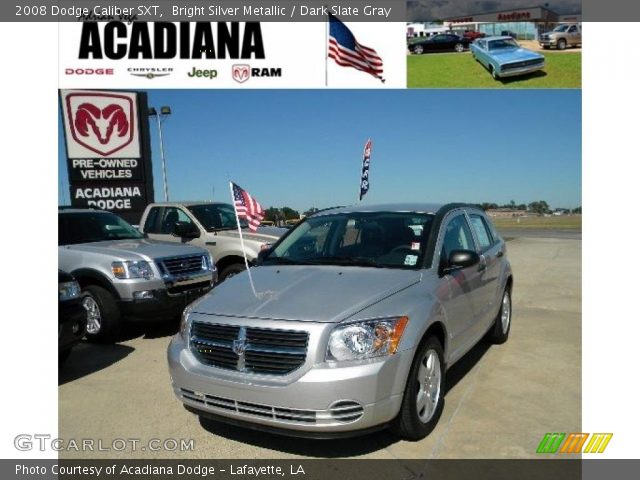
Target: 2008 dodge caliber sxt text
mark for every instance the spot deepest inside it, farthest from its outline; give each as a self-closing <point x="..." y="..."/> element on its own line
<point x="358" y="314"/>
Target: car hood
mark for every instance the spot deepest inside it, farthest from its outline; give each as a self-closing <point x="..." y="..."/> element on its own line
<point x="263" y="234"/>
<point x="516" y="55"/>
<point x="135" y="249"/>
<point x="306" y="293"/>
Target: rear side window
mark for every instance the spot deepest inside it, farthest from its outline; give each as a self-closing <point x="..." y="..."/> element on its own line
<point x="482" y="230"/>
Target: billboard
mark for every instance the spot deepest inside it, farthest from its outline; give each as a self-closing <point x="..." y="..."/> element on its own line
<point x="108" y="150"/>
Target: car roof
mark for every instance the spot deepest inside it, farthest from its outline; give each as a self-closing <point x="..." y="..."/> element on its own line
<point x="500" y="37"/>
<point x="187" y="204"/>
<point x="432" y="208"/>
<point x="80" y="210"/>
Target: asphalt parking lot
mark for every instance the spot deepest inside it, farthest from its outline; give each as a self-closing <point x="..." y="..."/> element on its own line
<point x="500" y="400"/>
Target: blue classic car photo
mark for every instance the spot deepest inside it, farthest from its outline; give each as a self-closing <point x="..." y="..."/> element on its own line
<point x="503" y="57"/>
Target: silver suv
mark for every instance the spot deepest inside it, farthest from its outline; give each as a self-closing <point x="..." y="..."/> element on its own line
<point x="211" y="225"/>
<point x="123" y="275"/>
<point x="358" y="315"/>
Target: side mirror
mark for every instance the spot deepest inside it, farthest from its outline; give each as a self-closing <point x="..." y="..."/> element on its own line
<point x="262" y="255"/>
<point x="459" y="259"/>
<point x="186" y="230"/>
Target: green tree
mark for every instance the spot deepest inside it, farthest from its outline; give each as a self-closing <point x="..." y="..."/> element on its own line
<point x="540" y="207"/>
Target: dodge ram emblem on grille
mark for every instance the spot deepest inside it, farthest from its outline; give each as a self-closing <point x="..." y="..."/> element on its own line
<point x="239" y="347"/>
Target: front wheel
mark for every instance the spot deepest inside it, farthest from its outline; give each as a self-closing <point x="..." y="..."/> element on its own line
<point x="502" y="325"/>
<point x="230" y="271"/>
<point x="424" y="394"/>
<point x="562" y="44"/>
<point x="103" y="314"/>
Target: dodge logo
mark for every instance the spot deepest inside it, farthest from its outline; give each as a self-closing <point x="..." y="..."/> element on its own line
<point x="241" y="73"/>
<point x="100" y="122"/>
<point x="239" y="347"/>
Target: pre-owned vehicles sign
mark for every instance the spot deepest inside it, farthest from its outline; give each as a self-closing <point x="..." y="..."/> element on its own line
<point x="108" y="152"/>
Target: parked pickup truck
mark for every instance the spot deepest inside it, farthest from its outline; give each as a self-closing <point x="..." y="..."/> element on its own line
<point x="562" y="36"/>
<point x="211" y="225"/>
<point x="124" y="275"/>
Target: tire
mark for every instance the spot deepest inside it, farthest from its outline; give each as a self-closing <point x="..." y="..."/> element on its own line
<point x="230" y="271"/>
<point x="103" y="315"/>
<point x="458" y="47"/>
<point x="499" y="333"/>
<point x="418" y="49"/>
<point x="63" y="355"/>
<point x="417" y="419"/>
<point x="545" y="47"/>
<point x="493" y="72"/>
<point x="562" y="44"/>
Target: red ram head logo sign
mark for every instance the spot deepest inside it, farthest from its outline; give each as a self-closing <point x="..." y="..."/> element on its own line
<point x="103" y="123"/>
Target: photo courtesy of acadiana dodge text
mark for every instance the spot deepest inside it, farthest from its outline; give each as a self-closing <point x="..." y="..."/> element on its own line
<point x="318" y="274"/>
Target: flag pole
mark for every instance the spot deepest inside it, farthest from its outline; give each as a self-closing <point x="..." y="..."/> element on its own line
<point x="326" y="52"/>
<point x="244" y="252"/>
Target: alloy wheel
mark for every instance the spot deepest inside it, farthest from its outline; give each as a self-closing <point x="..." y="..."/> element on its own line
<point x="94" y="319"/>
<point x="429" y="380"/>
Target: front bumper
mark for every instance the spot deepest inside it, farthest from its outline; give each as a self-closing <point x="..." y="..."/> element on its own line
<point x="72" y="324"/>
<point x="318" y="397"/>
<point x="163" y="305"/>
<point x="513" y="72"/>
<point x="548" y="43"/>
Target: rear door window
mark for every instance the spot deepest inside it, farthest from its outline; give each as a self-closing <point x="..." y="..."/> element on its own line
<point x="482" y="231"/>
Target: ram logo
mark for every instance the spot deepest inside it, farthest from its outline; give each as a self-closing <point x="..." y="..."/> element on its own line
<point x="241" y="73"/>
<point x="101" y="122"/>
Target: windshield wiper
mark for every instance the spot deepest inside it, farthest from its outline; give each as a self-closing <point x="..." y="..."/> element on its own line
<point x="284" y="261"/>
<point x="343" y="260"/>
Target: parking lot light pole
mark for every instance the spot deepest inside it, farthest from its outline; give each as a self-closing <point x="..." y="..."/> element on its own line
<point x="165" y="111"/>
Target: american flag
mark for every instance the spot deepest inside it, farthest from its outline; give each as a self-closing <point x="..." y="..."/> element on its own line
<point x="346" y="51"/>
<point x="247" y="207"/>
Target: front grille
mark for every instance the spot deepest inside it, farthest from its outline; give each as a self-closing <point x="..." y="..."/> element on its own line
<point x="525" y="63"/>
<point x="248" y="349"/>
<point x="182" y="265"/>
<point x="265" y="411"/>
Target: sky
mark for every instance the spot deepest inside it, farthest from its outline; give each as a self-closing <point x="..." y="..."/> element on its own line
<point x="303" y="148"/>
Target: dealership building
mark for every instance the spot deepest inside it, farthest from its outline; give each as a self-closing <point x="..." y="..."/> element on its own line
<point x="525" y="23"/>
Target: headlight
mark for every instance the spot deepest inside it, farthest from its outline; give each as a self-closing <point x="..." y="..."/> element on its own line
<point x="68" y="291"/>
<point x="130" y="269"/>
<point x="207" y="262"/>
<point x="366" y="339"/>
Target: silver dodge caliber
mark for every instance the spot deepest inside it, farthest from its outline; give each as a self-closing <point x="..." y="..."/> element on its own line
<point x="357" y="316"/>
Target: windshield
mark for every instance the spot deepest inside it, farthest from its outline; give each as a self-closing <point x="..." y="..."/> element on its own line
<point x="87" y="227"/>
<point x="561" y="28"/>
<point x="381" y="239"/>
<point x="219" y="216"/>
<point x="502" y="43"/>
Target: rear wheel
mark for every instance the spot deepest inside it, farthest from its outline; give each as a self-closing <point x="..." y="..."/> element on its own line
<point x="459" y="47"/>
<point x="103" y="315"/>
<point x="63" y="355"/>
<point x="500" y="331"/>
<point x="418" y="50"/>
<point x="424" y="394"/>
